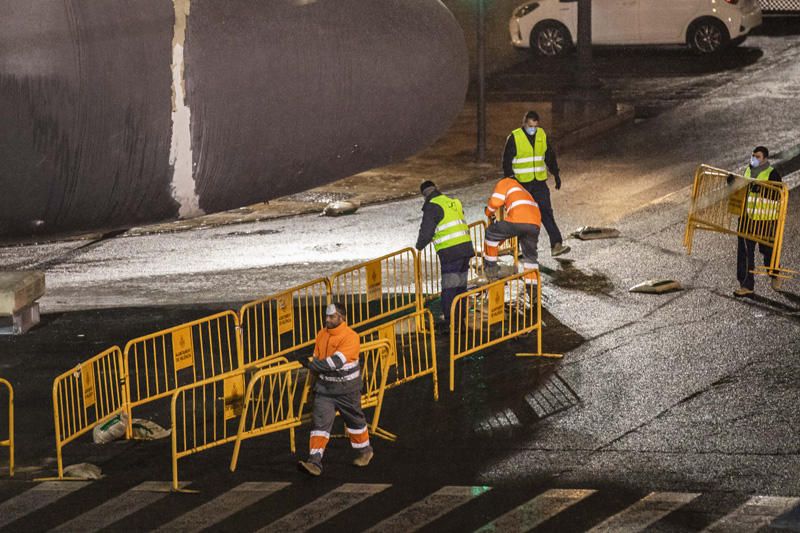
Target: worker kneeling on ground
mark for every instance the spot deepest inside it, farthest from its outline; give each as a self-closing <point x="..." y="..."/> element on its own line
<point x="522" y="220"/>
<point x="337" y="387"/>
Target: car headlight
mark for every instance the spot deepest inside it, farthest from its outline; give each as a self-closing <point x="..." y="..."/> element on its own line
<point x="521" y="11"/>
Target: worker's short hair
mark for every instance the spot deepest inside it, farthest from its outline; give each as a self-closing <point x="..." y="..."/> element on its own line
<point x="426" y="185"/>
<point x="531" y="115"/>
<point x="762" y="149"/>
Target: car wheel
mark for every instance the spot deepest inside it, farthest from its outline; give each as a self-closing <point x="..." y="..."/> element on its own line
<point x="550" y="38"/>
<point x="708" y="36"/>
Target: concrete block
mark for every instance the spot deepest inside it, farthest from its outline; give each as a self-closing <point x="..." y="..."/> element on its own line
<point x="20" y="321"/>
<point x="19" y="290"/>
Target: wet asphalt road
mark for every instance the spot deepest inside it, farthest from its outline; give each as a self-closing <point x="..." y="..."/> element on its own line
<point x="694" y="392"/>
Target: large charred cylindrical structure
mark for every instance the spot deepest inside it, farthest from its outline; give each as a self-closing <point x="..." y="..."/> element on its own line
<point x="123" y="112"/>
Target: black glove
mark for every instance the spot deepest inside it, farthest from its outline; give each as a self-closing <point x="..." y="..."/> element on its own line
<point x="304" y="361"/>
<point x="558" y="182"/>
<point x="730" y="179"/>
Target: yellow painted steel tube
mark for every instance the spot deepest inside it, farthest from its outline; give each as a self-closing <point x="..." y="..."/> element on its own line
<point x="9" y="443"/>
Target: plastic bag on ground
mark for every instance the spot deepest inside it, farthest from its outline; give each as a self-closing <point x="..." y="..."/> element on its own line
<point x="148" y="430"/>
<point x="83" y="471"/>
<point x="112" y="429"/>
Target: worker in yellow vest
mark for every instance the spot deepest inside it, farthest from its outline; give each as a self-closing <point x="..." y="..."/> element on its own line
<point x="757" y="211"/>
<point x="444" y="224"/>
<point x="527" y="157"/>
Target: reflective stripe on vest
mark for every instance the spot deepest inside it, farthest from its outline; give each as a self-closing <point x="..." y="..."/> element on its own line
<point x="759" y="208"/>
<point x="452" y="230"/>
<point x="528" y="164"/>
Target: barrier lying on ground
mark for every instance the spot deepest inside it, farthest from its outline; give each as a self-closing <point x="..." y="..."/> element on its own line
<point x="89" y="394"/>
<point x="494" y="313"/>
<point x="206" y="414"/>
<point x="9" y="442"/>
<point x="284" y="322"/>
<point x="158" y="363"/>
<point x="726" y="203"/>
<point x="378" y="289"/>
<point x="413" y="346"/>
<point x="271" y="402"/>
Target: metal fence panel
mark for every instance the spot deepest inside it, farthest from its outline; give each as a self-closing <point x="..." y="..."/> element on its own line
<point x="9" y="441"/>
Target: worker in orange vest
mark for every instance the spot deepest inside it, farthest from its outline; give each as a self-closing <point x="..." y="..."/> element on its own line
<point x="522" y="220"/>
<point x="337" y="388"/>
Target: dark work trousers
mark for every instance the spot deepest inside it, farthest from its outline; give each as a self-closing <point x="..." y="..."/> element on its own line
<point x="454" y="282"/>
<point x="541" y="193"/>
<point x="324" y="413"/>
<point x="746" y="259"/>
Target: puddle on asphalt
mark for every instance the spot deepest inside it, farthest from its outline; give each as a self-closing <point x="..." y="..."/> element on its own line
<point x="569" y="277"/>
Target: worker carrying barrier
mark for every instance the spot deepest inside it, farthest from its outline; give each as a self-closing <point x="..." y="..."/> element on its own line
<point x="413" y="346"/>
<point x="282" y="323"/>
<point x="206" y="414"/>
<point x="91" y="393"/>
<point x="158" y="363"/>
<point x="493" y="313"/>
<point x="379" y="288"/>
<point x="272" y="402"/>
<point x="752" y="209"/>
<point x="9" y="441"/>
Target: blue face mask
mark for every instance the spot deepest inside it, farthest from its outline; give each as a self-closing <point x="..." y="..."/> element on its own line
<point x="531" y="130"/>
<point x="754" y="162"/>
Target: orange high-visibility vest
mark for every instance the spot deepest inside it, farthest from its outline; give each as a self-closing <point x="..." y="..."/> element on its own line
<point x="519" y="204"/>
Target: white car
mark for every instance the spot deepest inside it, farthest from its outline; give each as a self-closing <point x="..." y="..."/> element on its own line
<point x="550" y="27"/>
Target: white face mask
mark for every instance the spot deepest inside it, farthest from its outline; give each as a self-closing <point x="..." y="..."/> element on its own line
<point x="754" y="162"/>
<point x="530" y="130"/>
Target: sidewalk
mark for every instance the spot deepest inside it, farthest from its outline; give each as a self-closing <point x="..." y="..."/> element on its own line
<point x="450" y="162"/>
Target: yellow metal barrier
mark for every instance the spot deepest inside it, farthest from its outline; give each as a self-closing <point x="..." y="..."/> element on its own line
<point x="206" y="414"/>
<point x="91" y="393"/>
<point x="726" y="203"/>
<point x="494" y="313"/>
<point x="271" y="403"/>
<point x="378" y="288"/>
<point x="413" y="346"/>
<point x="9" y="442"/>
<point x="282" y="323"/>
<point x="157" y="364"/>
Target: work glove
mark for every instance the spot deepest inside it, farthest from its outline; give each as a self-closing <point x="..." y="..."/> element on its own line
<point x="730" y="179"/>
<point x="558" y="182"/>
<point x="304" y="361"/>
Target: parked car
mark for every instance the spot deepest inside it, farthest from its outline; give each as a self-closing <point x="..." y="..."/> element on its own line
<point x="780" y="7"/>
<point x="550" y="27"/>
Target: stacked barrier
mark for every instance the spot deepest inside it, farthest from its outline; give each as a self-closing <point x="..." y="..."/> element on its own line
<point x="91" y="393"/>
<point x="271" y="402"/>
<point x="378" y="289"/>
<point x="413" y="346"/>
<point x="494" y="313"/>
<point x="726" y="203"/>
<point x="282" y="323"/>
<point x="158" y="363"/>
<point x="206" y="414"/>
<point x="9" y="442"/>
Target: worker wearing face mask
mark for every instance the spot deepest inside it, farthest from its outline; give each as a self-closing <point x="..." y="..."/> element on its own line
<point x="759" y="215"/>
<point x="527" y="157"/>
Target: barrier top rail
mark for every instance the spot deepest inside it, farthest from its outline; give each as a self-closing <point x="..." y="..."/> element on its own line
<point x="283" y="322"/>
<point x="91" y="393"/>
<point x="158" y="363"/>
<point x="9" y="442"/>
<point x="379" y="288"/>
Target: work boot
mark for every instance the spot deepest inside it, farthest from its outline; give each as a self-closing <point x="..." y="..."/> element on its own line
<point x="776" y="283"/>
<point x="559" y="249"/>
<point x="741" y="292"/>
<point x="364" y="457"/>
<point x="310" y="468"/>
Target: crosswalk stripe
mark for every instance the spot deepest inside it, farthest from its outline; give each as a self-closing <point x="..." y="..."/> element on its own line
<point x="223" y="506"/>
<point x="536" y="511"/>
<point x="754" y="514"/>
<point x="646" y="511"/>
<point x="36" y="498"/>
<point x="325" y="507"/>
<point x="115" y="509"/>
<point x="425" y="511"/>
